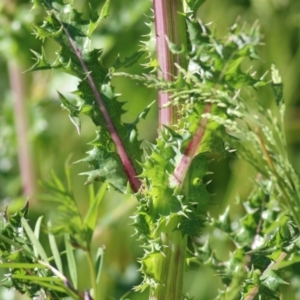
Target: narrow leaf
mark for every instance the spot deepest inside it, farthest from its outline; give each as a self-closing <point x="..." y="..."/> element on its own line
<point x="99" y="263"/>
<point x="35" y="242"/>
<point x="54" y="249"/>
<point x="37" y="229"/>
<point x="37" y="279"/>
<point x="105" y="10"/>
<point x="91" y="217"/>
<point x="71" y="260"/>
<point x="21" y="266"/>
<point x="49" y="286"/>
<point x="68" y="173"/>
<point x="91" y="191"/>
<point x="57" y="182"/>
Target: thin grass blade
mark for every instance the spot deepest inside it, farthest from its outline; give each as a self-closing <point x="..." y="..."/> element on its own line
<point x="54" y="249"/>
<point x="91" y="217"/>
<point x="99" y="263"/>
<point x="35" y="242"/>
<point x="37" y="230"/>
<point x="71" y="260"/>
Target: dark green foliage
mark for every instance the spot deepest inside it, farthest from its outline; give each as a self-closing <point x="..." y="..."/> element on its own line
<point x="196" y="196"/>
<point x="215" y="74"/>
<point x="25" y="270"/>
<point x="9" y="227"/>
<point x="29" y="268"/>
<point x="157" y="175"/>
<point x="263" y="235"/>
<point x="106" y="163"/>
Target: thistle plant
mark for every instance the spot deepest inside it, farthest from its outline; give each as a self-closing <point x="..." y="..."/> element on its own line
<point x="208" y="106"/>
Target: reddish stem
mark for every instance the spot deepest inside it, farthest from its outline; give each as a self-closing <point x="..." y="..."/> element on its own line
<point x="169" y="25"/>
<point x="192" y="149"/>
<point x="129" y="169"/>
<point x="272" y="266"/>
<point x="25" y="159"/>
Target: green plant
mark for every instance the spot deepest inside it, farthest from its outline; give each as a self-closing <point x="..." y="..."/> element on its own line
<point x="209" y="106"/>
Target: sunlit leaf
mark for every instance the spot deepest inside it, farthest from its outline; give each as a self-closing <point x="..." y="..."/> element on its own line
<point x="71" y="260"/>
<point x="54" y="249"/>
<point x="35" y="242"/>
<point x="92" y="215"/>
<point x="37" y="229"/>
<point x="99" y="263"/>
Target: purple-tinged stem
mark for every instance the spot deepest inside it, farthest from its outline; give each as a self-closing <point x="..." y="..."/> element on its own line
<point x="191" y="150"/>
<point x="272" y="266"/>
<point x="134" y="181"/>
<point x="25" y="159"/>
<point x="169" y="25"/>
<point x="168" y="267"/>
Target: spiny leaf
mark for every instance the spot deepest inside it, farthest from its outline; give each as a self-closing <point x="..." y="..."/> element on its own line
<point x="107" y="165"/>
<point x="128" y="61"/>
<point x="148" y="45"/>
<point x="98" y="100"/>
<point x="73" y="112"/>
<point x="272" y="280"/>
<point x="194" y="4"/>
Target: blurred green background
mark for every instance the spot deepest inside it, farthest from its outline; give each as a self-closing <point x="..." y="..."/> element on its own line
<point x="37" y="137"/>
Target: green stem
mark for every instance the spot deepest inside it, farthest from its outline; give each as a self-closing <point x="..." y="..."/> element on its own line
<point x="93" y="275"/>
<point x="170" y="26"/>
<point x="169" y="267"/>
